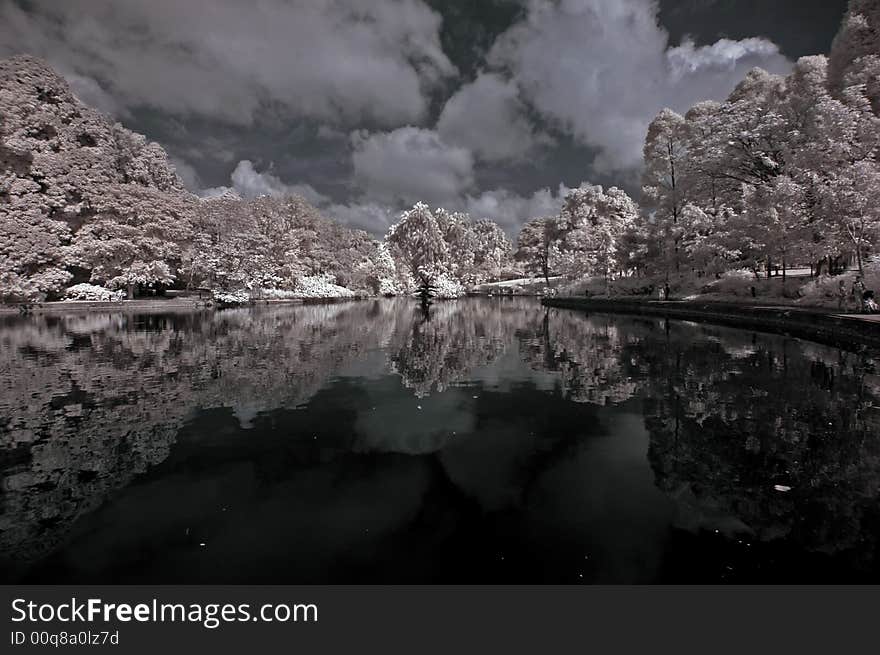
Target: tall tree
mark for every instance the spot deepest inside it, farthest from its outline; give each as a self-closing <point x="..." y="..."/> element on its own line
<point x="855" y="53"/>
<point x="417" y="243"/>
<point x="492" y="251"/>
<point x="534" y="245"/>
<point x="590" y="225"/>
<point x="63" y="167"/>
<point x="663" y="179"/>
<point x="135" y="238"/>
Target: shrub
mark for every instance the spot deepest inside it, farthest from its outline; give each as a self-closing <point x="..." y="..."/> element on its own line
<point x="734" y="283"/>
<point x="239" y="297"/>
<point x="321" y="286"/>
<point x="447" y="288"/>
<point x="93" y="293"/>
<point x="278" y="294"/>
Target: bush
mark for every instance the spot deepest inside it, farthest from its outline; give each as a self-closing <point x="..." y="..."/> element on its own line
<point x="447" y="288"/>
<point x="620" y="287"/>
<point x="321" y="286"/>
<point x="388" y="287"/>
<point x="93" y="293"/>
<point x="734" y="283"/>
<point x="277" y="294"/>
<point x="823" y="290"/>
<point x="240" y="297"/>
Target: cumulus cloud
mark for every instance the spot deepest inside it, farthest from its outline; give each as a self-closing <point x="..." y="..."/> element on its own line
<point x="247" y="182"/>
<point x="250" y="184"/>
<point x="602" y="70"/>
<point x="408" y="165"/>
<point x="222" y="80"/>
<point x="339" y="60"/>
<point x="488" y="117"/>
<point x="503" y="206"/>
<point x="511" y="210"/>
<point x="89" y="92"/>
<point x="370" y="217"/>
<point x="187" y="174"/>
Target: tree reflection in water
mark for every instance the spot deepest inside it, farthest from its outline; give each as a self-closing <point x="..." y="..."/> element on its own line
<point x="586" y="447"/>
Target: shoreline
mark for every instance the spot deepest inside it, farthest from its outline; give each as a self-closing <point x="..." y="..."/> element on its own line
<point x="153" y="304"/>
<point x="825" y="327"/>
<point x="195" y="304"/>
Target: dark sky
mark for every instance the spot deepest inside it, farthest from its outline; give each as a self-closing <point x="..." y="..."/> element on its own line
<point x="367" y="106"/>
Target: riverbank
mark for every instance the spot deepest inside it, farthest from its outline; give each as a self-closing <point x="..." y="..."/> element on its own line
<point x="831" y="328"/>
<point x="153" y="305"/>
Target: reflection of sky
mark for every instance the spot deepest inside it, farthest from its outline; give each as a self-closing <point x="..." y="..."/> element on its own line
<point x="420" y="425"/>
<point x="369" y="366"/>
<point x="391" y="490"/>
<point x="308" y="452"/>
<point x="399" y="422"/>
<point x="508" y="370"/>
<point x="603" y="496"/>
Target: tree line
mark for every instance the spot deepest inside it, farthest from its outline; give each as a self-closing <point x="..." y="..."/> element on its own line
<point x="782" y="173"/>
<point x="86" y="202"/>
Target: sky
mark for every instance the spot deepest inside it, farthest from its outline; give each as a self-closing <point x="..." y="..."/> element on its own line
<point x="364" y="107"/>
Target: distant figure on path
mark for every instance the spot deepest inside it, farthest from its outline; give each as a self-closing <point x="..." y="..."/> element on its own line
<point x="858" y="292"/>
<point x="666" y="291"/>
<point x="841" y="295"/>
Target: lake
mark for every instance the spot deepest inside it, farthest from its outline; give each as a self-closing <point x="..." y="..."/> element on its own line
<point x="491" y="441"/>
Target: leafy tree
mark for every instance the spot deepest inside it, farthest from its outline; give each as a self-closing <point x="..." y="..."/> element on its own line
<point x="135" y="237"/>
<point x="590" y="226"/>
<point x="664" y="192"/>
<point x="71" y="180"/>
<point x="416" y="243"/>
<point x="492" y="251"/>
<point x="534" y="246"/>
<point x="855" y="53"/>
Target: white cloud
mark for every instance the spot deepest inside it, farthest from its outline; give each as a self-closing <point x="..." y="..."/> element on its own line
<point x="250" y="184"/>
<point x="488" y="117"/>
<point x="409" y="165"/>
<point x="510" y="210"/>
<point x="338" y="60"/>
<point x="310" y="193"/>
<point x="187" y="174"/>
<point x="371" y="217"/>
<point x="503" y="206"/>
<point x="89" y="92"/>
<point x="602" y="70"/>
<point x="247" y="182"/>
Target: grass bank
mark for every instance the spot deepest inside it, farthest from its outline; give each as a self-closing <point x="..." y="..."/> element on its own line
<point x="845" y="330"/>
<point x="157" y="305"/>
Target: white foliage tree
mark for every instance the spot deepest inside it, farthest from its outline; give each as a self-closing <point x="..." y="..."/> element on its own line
<point x="416" y="243"/>
<point x="590" y="226"/>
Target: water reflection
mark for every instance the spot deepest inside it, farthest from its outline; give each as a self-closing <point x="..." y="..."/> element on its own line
<point x="496" y="442"/>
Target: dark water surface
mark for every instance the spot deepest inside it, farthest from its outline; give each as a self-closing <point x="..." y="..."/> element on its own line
<point x="496" y="442"/>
